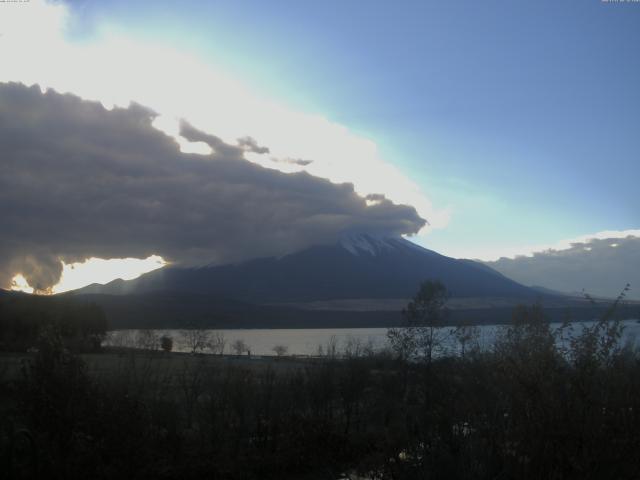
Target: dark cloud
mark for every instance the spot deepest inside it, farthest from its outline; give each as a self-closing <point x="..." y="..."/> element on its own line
<point x="249" y="144"/>
<point x="80" y="181"/>
<point x="599" y="266"/>
<point x="292" y="161"/>
<point x="375" y="197"/>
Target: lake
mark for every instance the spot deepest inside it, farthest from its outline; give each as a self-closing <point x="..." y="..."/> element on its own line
<point x="308" y="342"/>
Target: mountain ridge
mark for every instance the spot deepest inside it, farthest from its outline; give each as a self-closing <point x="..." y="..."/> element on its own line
<point x="357" y="266"/>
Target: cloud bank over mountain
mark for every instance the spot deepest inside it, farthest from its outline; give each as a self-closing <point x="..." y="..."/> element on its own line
<point x="80" y="181"/>
<point x="600" y="266"/>
<point x="116" y="66"/>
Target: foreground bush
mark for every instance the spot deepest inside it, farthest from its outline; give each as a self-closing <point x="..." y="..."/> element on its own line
<point x="530" y="407"/>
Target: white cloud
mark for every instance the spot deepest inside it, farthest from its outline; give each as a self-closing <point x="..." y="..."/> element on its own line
<point x="491" y="254"/>
<point x="601" y="263"/>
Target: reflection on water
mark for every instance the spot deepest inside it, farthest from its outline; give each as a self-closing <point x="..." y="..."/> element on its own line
<point x="311" y="341"/>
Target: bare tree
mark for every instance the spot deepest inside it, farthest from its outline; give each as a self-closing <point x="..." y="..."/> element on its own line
<point x="280" y="350"/>
<point x="369" y="348"/>
<point x="402" y="341"/>
<point x="331" y="350"/>
<point x="467" y="336"/>
<point x="166" y="343"/>
<point x="424" y="317"/>
<point x="217" y="343"/>
<point x="147" y="340"/>
<point x="196" y="339"/>
<point x="353" y="347"/>
<point x="239" y="347"/>
<point x="121" y="339"/>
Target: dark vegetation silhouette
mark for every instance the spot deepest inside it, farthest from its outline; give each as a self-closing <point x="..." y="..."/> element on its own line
<point x="166" y="343"/>
<point x="424" y="318"/>
<point x="538" y="403"/>
<point x="80" y="325"/>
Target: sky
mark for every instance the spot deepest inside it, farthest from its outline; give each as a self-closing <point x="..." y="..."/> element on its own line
<point x="511" y="127"/>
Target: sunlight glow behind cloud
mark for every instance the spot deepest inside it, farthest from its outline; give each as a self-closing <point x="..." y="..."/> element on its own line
<point x="98" y="270"/>
<point x="19" y="283"/>
<point x="103" y="271"/>
<point x="117" y="69"/>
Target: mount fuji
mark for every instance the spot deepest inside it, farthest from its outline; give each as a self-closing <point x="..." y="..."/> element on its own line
<point x="359" y="281"/>
<point x="355" y="267"/>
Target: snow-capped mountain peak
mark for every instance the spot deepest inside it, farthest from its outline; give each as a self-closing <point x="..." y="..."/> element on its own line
<point x="358" y="244"/>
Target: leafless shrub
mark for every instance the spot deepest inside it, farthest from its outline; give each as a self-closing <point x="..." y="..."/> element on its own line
<point x="217" y="343"/>
<point x="121" y="339"/>
<point x="239" y="346"/>
<point x="468" y="337"/>
<point x="166" y="343"/>
<point x="147" y="340"/>
<point x="351" y="347"/>
<point x="280" y="350"/>
<point x="196" y="339"/>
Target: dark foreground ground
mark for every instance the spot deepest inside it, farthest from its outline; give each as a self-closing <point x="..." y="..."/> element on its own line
<point x="526" y="409"/>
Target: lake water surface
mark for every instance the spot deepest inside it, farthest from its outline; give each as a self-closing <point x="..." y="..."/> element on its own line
<point x="302" y="341"/>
